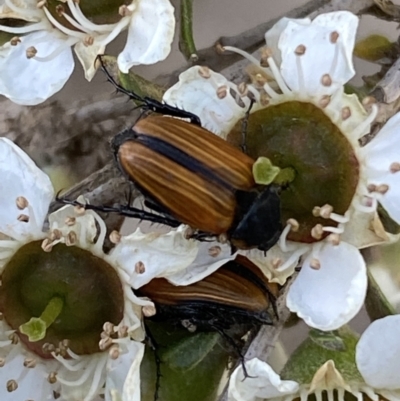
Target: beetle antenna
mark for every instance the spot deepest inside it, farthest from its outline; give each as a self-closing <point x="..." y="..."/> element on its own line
<point x="149" y="103"/>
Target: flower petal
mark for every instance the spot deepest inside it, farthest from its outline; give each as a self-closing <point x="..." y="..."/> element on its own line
<point x="32" y="383"/>
<point x="378" y="353"/>
<point x="21" y="177"/>
<point x="204" y="264"/>
<point x="161" y="254"/>
<point x="329" y="297"/>
<point x="379" y="154"/>
<point x="261" y="383"/>
<point x="331" y="34"/>
<point x="150" y="34"/>
<point x="123" y="373"/>
<point x="87" y="56"/>
<point x="29" y="81"/>
<point x="197" y="92"/>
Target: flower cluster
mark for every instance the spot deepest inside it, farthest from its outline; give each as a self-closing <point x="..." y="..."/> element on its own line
<point x="37" y="37"/>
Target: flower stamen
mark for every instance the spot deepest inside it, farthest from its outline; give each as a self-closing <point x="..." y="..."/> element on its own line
<point x="62" y="28"/>
<point x="395" y="167"/>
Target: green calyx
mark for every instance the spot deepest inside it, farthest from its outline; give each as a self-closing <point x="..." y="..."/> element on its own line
<point x="65" y="294"/>
<point x="316" y="350"/>
<point x="319" y="161"/>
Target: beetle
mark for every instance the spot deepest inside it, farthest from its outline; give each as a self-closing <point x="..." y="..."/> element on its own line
<point x="237" y="293"/>
<point x="189" y="175"/>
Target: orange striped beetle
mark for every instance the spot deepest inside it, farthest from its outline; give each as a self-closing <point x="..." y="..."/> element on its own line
<point x="192" y="176"/>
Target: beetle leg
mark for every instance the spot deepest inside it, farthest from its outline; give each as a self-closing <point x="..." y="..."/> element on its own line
<point x="124" y="210"/>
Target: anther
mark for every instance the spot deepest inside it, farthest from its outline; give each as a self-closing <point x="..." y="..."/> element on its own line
<point x="326" y="80"/>
<point x="222" y="91"/>
<point x="223" y="238"/>
<point x="13" y="337"/>
<point x="219" y="48"/>
<point x="41" y="4"/>
<point x="382" y="189"/>
<point x="300" y="50"/>
<point x="1" y="316"/>
<point x="55" y="234"/>
<point x="108" y="327"/>
<point x="260" y="79"/>
<point x="15" y="40"/>
<point x="242" y="88"/>
<point x="325" y="211"/>
<point x="12" y="385"/>
<point x="52" y="377"/>
<point x="317" y="231"/>
<point x="140" y="267"/>
<point x="371" y="188"/>
<point x="23" y="217"/>
<point x="48" y="348"/>
<point x="149" y="310"/>
<point x="65" y="343"/>
<point x="368" y="101"/>
<point x="266" y="52"/>
<point x="188" y="325"/>
<point x="124" y="11"/>
<point x="264" y="99"/>
<point x="21" y="202"/>
<point x="214" y="251"/>
<point x="294" y="224"/>
<point x="316" y="212"/>
<point x="88" y="41"/>
<point x="334" y="36"/>
<point x="334" y="238"/>
<point x="60" y="10"/>
<point x="31" y="52"/>
<point x="70" y="221"/>
<point x="79" y="210"/>
<point x="315" y="264"/>
<point x="71" y="238"/>
<point x="324" y="101"/>
<point x="346" y="113"/>
<point x="189" y="232"/>
<point x="276" y="262"/>
<point x="105" y="343"/>
<point x="29" y="362"/>
<point x="47" y="245"/>
<point x="204" y="72"/>
<point x="123" y="331"/>
<point x="395" y="167"/>
<point x="114" y="352"/>
<point x="115" y="237"/>
<point x="2" y="362"/>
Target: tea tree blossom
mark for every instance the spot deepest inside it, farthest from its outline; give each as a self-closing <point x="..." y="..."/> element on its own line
<point x="36" y="60"/>
<point x="305" y="124"/>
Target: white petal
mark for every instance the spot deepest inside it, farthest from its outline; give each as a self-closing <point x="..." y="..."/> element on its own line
<point x="32" y="382"/>
<point x="29" y="81"/>
<point x="266" y="263"/>
<point x="150" y="34"/>
<point x="262" y="383"/>
<point x="329" y="297"/>
<point x="87" y="56"/>
<point x="161" y="254"/>
<point x="203" y="265"/>
<point x="198" y="95"/>
<point x="378" y="353"/>
<point x="21" y="177"/>
<point x="305" y="72"/>
<point x="123" y="374"/>
<point x="379" y="154"/>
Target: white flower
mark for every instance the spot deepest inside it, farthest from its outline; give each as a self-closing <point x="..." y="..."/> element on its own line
<point x="41" y="270"/>
<point x="372" y="374"/>
<point x="37" y="61"/>
<point x="302" y="119"/>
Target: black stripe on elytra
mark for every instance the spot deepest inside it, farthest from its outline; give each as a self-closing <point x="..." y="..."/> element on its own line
<point x="183" y="159"/>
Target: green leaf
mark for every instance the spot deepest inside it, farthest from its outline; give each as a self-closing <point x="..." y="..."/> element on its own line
<point x="186" y="41"/>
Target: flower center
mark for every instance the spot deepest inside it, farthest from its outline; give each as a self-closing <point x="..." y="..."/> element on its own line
<point x="72" y="291"/>
<point x="301" y="136"/>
